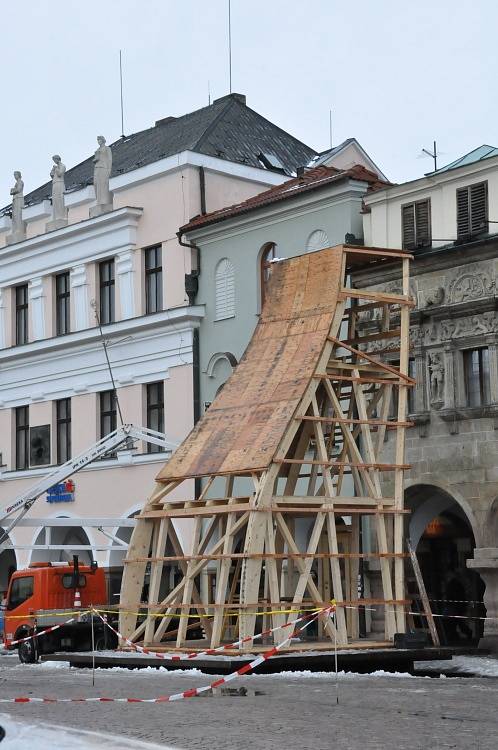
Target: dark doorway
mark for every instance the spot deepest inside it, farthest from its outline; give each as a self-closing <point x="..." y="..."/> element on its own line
<point x="442" y="537"/>
<point x="455" y="592"/>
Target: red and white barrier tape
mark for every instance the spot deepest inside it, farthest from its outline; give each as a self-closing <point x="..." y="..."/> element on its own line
<point x="209" y="651"/>
<point x="43" y="632"/>
<point x="186" y="693"/>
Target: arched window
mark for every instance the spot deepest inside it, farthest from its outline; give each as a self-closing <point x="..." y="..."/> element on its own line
<point x="317" y="241"/>
<point x="224" y="290"/>
<point x="268" y="254"/>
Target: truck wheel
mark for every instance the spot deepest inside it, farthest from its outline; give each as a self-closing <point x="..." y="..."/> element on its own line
<point x="28" y="653"/>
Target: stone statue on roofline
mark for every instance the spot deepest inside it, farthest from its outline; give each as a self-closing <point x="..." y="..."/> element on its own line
<point x="18" y="232"/>
<point x="102" y="161"/>
<point x="59" y="210"/>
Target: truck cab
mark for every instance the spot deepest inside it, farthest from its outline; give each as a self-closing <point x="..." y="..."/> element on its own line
<point x="44" y="595"/>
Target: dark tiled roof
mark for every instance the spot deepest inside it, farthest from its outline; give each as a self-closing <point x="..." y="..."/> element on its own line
<point x="226" y="129"/>
<point x="312" y="179"/>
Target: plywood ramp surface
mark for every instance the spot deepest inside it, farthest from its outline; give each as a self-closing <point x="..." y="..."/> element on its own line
<point x="244" y="425"/>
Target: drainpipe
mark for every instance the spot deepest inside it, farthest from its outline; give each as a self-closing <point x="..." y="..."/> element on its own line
<point x="202" y="188"/>
<point x="191" y="288"/>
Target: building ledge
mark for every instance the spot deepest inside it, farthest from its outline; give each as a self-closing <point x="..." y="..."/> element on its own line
<point x="90" y="239"/>
<point x="174" y="319"/>
<point x="135" y="459"/>
<point x="460" y="413"/>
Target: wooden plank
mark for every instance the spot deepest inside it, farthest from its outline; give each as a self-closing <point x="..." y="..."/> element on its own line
<point x="393" y="334"/>
<point x="368" y="357"/>
<point x="370" y="381"/>
<point x="399" y="477"/>
<point x="391" y="299"/>
<point x="205" y="510"/>
<point x="376" y="252"/>
<point x="245" y="423"/>
<point x="423" y="595"/>
<point x="351" y="502"/>
<point x="346" y="420"/>
<point x="364" y="465"/>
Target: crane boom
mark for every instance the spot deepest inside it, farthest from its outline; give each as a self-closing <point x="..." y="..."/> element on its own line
<point x="22" y="503"/>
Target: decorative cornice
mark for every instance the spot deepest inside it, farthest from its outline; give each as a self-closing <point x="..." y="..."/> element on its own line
<point x="87" y="240"/>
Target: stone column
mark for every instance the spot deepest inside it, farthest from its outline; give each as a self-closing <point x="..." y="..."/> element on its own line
<point x="3" y="322"/>
<point x="449" y="378"/>
<point x="37" y="308"/>
<point x="493" y="372"/>
<point x="485" y="562"/>
<point x="125" y="273"/>
<point x="419" y="396"/>
<point x="79" y="291"/>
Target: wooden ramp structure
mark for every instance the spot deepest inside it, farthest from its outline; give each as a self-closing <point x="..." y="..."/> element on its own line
<point x="290" y="447"/>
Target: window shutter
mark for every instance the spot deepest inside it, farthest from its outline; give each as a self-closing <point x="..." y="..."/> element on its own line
<point x="224" y="290"/>
<point x="479" y="208"/>
<point x="463" y="212"/>
<point x="472" y="210"/>
<point x="408" y="222"/>
<point x="423" y="223"/>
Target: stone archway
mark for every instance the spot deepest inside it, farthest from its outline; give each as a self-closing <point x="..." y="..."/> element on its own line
<point x="63" y="536"/>
<point x="443" y="534"/>
<point x="8" y="564"/>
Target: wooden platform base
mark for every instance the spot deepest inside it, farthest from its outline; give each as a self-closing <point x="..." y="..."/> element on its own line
<point x="293" y="648"/>
<point x="358" y="660"/>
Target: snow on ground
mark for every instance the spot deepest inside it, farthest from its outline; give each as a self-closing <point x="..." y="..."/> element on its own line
<point x="481" y="666"/>
<point x="20" y="735"/>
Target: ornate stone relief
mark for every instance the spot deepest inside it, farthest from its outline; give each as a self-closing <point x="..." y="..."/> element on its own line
<point x="434" y="296"/>
<point x="469" y="285"/>
<point x="440" y="331"/>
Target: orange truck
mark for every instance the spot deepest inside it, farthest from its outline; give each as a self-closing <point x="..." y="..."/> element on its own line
<point x="47" y="594"/>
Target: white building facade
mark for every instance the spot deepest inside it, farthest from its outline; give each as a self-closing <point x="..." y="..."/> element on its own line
<point x="124" y="269"/>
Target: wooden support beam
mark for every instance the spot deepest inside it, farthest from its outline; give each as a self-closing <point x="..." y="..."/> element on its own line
<point x="392" y="334"/>
<point x="391" y="299"/>
<point x="346" y="420"/>
<point x="364" y="465"/>
<point x="369" y="358"/>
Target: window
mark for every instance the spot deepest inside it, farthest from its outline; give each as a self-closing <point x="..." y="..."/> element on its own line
<point x="153" y="280"/>
<point x="416" y="224"/>
<point x="476" y="369"/>
<point x="224" y="290"/>
<point x="63" y="420"/>
<point x="22" y="314"/>
<point x="268" y="254"/>
<point x="472" y="210"/>
<point x="39" y="445"/>
<point x="22" y="437"/>
<point x="107" y="412"/>
<point x="155" y="412"/>
<point x="106" y="284"/>
<point x="62" y="320"/>
<point x="20" y="591"/>
<point x="68" y="581"/>
<point x="317" y="240"/>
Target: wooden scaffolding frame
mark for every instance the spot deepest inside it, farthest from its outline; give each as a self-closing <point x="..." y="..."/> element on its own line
<point x="268" y="538"/>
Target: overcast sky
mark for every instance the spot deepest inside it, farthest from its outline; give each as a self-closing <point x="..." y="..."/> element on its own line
<point x="397" y="75"/>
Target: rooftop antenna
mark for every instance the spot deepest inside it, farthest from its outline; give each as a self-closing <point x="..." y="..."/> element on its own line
<point x="230" y="42"/>
<point x="432" y="154"/>
<point x="330" y="127"/>
<point x="209" y="94"/>
<point x="121" y="91"/>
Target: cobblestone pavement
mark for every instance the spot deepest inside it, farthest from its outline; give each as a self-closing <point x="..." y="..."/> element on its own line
<point x="295" y="712"/>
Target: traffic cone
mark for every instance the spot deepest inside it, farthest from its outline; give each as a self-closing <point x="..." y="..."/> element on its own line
<point x="77" y="599"/>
